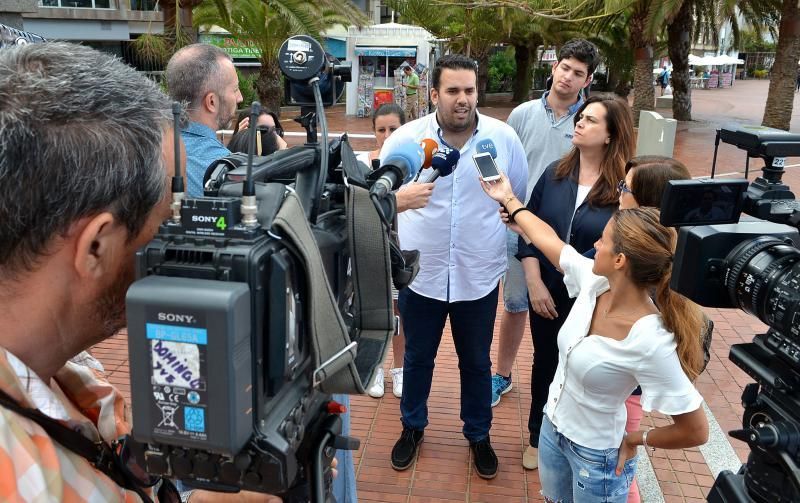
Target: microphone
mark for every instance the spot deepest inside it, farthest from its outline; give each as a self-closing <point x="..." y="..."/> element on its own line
<point x="443" y="164"/>
<point x="430" y="147"/>
<point x="486" y="145"/>
<point x="399" y="167"/>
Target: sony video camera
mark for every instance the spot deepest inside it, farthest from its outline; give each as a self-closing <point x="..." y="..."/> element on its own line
<point x="751" y="264"/>
<point x="257" y="302"/>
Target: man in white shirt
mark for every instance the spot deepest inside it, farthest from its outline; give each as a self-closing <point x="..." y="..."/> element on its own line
<point x="545" y="126"/>
<point x="462" y="245"/>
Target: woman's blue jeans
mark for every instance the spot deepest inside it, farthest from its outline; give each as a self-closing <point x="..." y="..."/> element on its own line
<point x="571" y="473"/>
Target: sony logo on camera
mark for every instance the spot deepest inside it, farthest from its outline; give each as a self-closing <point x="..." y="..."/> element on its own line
<point x="204" y="219"/>
<point x="177" y="318"/>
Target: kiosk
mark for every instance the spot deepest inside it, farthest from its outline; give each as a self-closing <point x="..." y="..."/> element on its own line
<point x="377" y="53"/>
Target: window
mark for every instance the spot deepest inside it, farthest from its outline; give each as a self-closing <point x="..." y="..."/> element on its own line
<point x="79" y="4"/>
<point x="149" y="5"/>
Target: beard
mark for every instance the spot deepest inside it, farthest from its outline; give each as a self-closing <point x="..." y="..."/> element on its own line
<point x="225" y="114"/>
<point x="109" y="308"/>
<point x="457" y="125"/>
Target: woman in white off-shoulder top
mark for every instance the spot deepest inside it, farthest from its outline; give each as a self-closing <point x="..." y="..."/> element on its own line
<point x="613" y="340"/>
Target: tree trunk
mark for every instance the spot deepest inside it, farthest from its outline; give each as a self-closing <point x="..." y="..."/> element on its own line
<point x="644" y="97"/>
<point x="483" y="76"/>
<point x="187" y="32"/>
<point x="680" y="36"/>
<point x="269" y="86"/>
<point x="778" y="111"/>
<point x="523" y="56"/>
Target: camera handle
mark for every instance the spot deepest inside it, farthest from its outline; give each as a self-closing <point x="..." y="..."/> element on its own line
<point x="782" y="436"/>
<point x="308" y="119"/>
<point x="323" y="451"/>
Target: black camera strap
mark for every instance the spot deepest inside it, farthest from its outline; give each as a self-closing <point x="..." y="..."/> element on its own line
<point x="343" y="365"/>
<point x="99" y="454"/>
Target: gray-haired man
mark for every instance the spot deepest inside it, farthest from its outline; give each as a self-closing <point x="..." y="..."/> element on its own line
<point x="203" y="77"/>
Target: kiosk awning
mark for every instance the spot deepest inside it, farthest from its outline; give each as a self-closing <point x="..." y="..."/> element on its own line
<point x="402" y="52"/>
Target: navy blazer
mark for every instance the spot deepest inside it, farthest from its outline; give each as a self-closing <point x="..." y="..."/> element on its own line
<point x="553" y="201"/>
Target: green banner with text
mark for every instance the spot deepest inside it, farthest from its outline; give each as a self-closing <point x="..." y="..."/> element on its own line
<point x="234" y="47"/>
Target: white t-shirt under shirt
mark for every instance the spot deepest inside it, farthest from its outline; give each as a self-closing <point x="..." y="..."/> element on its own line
<point x="583" y="191"/>
<point x="596" y="374"/>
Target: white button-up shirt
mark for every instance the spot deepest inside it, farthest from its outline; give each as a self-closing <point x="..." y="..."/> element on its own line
<point x="459" y="234"/>
<point x="597" y="374"/>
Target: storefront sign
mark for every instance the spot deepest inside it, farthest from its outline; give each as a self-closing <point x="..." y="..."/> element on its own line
<point x="233" y="46"/>
<point x="391" y="52"/>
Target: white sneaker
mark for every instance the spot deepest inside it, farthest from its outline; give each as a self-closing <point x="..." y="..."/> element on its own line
<point x="397" y="382"/>
<point x="376" y="390"/>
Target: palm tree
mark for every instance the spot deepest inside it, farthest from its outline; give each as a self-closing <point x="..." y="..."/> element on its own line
<point x="469" y="31"/>
<point x="778" y="111"/>
<point x="265" y="24"/>
<point x="154" y="50"/>
<point x="610" y="34"/>
<point x="698" y="19"/>
<point x="679" y="35"/>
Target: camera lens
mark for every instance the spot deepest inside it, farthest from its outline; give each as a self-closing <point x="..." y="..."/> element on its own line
<point x="763" y="278"/>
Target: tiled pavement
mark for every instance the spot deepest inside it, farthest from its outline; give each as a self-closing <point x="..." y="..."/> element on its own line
<point x="443" y="471"/>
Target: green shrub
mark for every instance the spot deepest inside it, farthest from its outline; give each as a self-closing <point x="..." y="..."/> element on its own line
<point x="247" y="87"/>
<point x="502" y="69"/>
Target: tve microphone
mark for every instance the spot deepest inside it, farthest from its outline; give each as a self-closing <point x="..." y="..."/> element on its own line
<point x="399" y="166"/>
<point x="443" y="165"/>
<point x="486" y="145"/>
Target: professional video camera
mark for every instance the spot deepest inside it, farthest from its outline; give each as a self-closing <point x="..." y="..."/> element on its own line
<point x="254" y="305"/>
<point x="751" y="264"/>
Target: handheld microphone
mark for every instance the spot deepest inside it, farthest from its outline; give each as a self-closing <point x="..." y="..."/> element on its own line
<point x="486" y="145"/>
<point x="430" y="147"/>
<point x="399" y="167"/>
<point x="443" y="165"/>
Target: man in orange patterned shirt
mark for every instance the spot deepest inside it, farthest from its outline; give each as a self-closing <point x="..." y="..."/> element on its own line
<point x="83" y="184"/>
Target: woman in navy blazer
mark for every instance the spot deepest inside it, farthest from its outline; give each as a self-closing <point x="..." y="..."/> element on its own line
<point x="576" y="196"/>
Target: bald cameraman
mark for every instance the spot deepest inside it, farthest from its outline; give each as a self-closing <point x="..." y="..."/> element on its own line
<point x="203" y="77"/>
<point x="86" y="154"/>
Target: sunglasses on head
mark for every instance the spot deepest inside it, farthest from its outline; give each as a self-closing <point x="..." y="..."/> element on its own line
<point x="623" y="187"/>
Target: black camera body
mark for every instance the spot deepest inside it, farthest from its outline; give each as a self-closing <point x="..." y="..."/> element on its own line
<point x="752" y="264"/>
<point x="243" y="320"/>
<point x="222" y="390"/>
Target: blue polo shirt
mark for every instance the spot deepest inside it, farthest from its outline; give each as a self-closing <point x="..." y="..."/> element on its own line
<point x="202" y="148"/>
<point x="545" y="137"/>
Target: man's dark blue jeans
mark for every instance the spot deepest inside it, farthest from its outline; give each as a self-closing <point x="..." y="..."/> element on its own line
<point x="472" y="324"/>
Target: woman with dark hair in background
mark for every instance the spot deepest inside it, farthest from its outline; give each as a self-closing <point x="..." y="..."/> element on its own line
<point x="645" y="179"/>
<point x="386" y="120"/>
<point x="268" y="124"/>
<point x="575" y="196"/>
<point x="646" y="176"/>
<point x="614" y="339"/>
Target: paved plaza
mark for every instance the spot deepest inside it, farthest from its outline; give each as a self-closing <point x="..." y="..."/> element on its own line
<point x="443" y="471"/>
